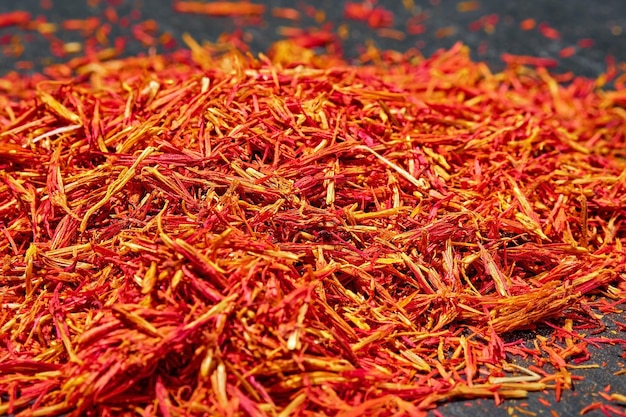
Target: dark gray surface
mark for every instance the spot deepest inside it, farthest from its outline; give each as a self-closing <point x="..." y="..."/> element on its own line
<point x="604" y="21"/>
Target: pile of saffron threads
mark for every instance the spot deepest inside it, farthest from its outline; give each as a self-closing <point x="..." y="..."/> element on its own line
<point x="208" y="233"/>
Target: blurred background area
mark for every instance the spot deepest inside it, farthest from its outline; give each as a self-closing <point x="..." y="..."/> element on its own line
<point x="578" y="35"/>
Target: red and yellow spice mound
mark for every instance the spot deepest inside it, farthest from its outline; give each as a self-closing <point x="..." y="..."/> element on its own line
<point x="212" y="233"/>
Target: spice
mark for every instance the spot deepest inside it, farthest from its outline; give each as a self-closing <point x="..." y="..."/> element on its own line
<point x="586" y="43"/>
<point x="97" y="40"/>
<point x="487" y="23"/>
<point x="414" y="26"/>
<point x="467" y="6"/>
<point x="528" y="24"/>
<point x="567" y="51"/>
<point x="529" y="60"/>
<point x="208" y="233"/>
<point x="15" y="18"/>
<point x="311" y="37"/>
<point x="548" y="31"/>
<point x="286" y="13"/>
<point x="87" y="25"/>
<point x="445" y="32"/>
<point x="219" y="8"/>
<point x="376" y="17"/>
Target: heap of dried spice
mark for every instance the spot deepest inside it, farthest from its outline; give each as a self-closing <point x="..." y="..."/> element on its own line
<point x="209" y="233"/>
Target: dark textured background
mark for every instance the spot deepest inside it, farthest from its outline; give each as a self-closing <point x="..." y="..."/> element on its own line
<point x="604" y="21"/>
